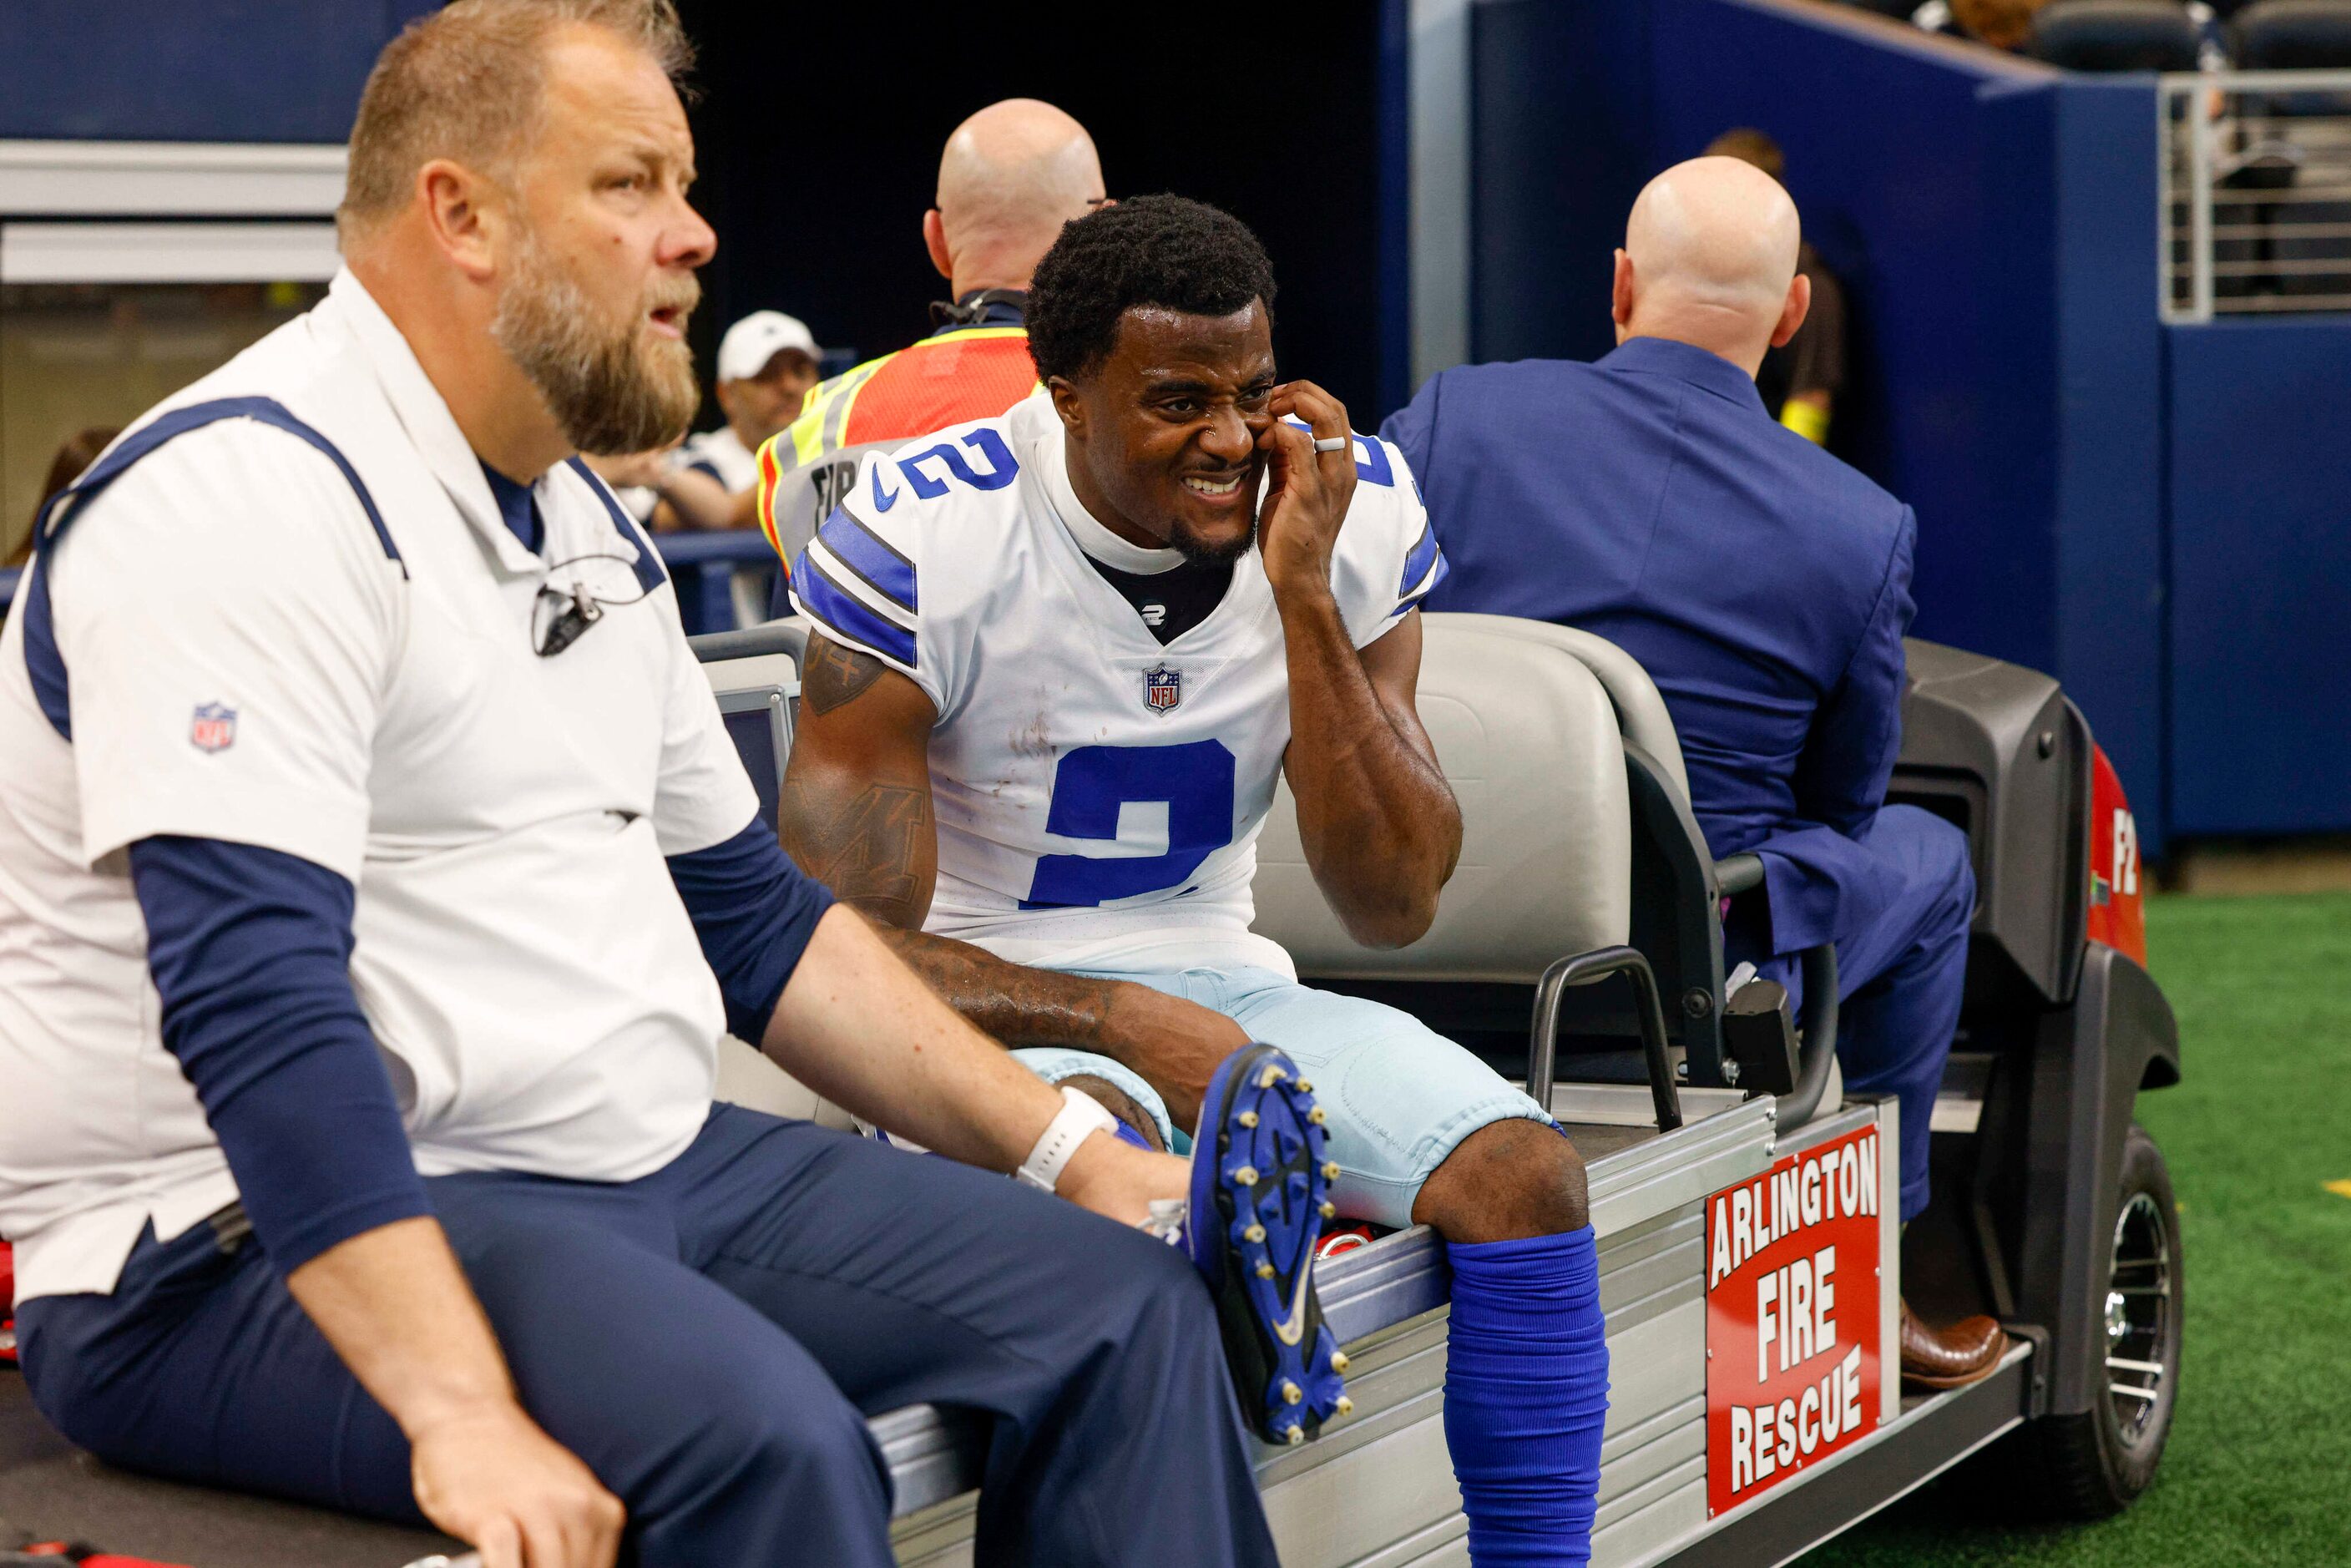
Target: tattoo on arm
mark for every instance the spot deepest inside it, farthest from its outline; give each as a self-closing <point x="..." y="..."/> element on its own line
<point x="868" y="848"/>
<point x="1014" y="1003"/>
<point x="836" y="674"/>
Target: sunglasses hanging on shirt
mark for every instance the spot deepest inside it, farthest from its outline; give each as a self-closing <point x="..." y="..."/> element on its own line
<point x="563" y="615"/>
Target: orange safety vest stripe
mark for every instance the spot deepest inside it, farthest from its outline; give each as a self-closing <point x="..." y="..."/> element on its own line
<point x="941" y="382"/>
<point x="975" y="373"/>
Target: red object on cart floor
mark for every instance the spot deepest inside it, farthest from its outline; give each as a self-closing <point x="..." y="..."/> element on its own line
<point x="1344" y="1238"/>
<point x="77" y="1552"/>
<point x="7" y="1312"/>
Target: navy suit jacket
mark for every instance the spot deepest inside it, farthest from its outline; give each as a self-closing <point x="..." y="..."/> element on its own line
<point x="1764" y="584"/>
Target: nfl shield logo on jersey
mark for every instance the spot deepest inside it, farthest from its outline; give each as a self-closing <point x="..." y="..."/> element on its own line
<point x="214" y="727"/>
<point x="1163" y="688"/>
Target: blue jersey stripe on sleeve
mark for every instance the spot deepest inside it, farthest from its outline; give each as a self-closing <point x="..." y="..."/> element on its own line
<point x="846" y="620"/>
<point x="867" y="554"/>
<point x="1426" y="588"/>
<point x="1417" y="562"/>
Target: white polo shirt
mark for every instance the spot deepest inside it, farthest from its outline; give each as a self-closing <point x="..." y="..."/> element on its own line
<point x="247" y="658"/>
<point x="722" y="455"/>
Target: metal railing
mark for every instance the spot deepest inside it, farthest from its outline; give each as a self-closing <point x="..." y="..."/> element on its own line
<point x="2256" y="193"/>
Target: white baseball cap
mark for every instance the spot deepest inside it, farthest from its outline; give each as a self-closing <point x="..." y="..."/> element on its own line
<point x="759" y="337"/>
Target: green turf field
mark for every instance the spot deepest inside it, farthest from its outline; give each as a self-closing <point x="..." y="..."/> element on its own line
<point x="2259" y="1467"/>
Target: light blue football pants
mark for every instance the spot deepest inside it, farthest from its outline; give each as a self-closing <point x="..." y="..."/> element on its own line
<point x="1400" y="1096"/>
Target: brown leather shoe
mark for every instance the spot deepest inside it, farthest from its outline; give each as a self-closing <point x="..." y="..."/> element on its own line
<point x="1949" y="1358"/>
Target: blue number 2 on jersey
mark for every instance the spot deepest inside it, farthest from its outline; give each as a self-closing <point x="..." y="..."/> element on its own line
<point x="1092" y="783"/>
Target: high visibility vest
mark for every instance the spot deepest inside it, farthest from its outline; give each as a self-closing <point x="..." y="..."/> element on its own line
<point x="973" y="372"/>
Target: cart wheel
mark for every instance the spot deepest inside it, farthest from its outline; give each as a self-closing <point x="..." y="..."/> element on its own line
<point x="2095" y="1464"/>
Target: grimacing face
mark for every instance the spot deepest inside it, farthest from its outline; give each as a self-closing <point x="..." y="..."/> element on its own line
<point x="600" y="277"/>
<point x="1167" y="427"/>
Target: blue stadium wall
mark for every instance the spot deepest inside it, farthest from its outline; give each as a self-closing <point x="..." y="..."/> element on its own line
<point x="2260" y="510"/>
<point x="146" y="70"/>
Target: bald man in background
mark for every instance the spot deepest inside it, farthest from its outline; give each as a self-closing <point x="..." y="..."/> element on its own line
<point x="1765" y="586"/>
<point x="1011" y="176"/>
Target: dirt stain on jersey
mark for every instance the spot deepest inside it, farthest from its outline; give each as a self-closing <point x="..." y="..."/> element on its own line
<point x="1030" y="739"/>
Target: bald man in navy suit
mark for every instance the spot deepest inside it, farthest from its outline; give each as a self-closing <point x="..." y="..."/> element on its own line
<point x="1765" y="587"/>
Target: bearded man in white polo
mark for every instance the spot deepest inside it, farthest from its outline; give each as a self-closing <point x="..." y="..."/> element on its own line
<point x="376" y="880"/>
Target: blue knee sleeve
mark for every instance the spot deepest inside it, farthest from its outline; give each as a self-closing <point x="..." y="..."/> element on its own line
<point x="1526" y="1391"/>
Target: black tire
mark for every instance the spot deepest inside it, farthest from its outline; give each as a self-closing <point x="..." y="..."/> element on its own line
<point x="2094" y="1465"/>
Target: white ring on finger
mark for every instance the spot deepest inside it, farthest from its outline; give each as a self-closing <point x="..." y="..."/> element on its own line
<point x="1331" y="442"/>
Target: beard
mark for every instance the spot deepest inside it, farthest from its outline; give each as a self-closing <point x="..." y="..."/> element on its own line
<point x="1222" y="552"/>
<point x="610" y="390"/>
<point x="1212" y="552"/>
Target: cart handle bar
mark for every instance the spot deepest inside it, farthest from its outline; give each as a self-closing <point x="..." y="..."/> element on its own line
<point x="1582" y="969"/>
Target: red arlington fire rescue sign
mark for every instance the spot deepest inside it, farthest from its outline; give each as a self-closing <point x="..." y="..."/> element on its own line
<point x="1791" y="1317"/>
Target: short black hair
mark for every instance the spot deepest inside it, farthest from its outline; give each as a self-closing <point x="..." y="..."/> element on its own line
<point x="1164" y="250"/>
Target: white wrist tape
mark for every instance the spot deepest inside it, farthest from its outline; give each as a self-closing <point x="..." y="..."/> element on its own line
<point x="1079" y="1117"/>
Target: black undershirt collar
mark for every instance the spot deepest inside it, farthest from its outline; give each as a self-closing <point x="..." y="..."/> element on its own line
<point x="1171" y="603"/>
<point x="1169" y="594"/>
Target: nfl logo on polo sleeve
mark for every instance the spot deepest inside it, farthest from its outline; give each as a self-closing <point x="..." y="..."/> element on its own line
<point x="1163" y="688"/>
<point x="213" y="727"/>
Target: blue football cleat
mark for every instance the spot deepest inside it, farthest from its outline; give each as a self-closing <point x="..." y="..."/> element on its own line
<point x="1260" y="1196"/>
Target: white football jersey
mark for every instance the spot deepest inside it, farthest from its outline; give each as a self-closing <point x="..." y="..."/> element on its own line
<point x="1098" y="795"/>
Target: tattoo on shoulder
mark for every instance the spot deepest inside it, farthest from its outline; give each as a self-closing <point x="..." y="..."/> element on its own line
<point x="836" y="674"/>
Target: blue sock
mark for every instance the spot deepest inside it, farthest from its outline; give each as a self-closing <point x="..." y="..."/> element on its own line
<point x="1526" y="1390"/>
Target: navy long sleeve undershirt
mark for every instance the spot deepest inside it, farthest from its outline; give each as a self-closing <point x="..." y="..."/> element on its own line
<point x="753" y="912"/>
<point x="251" y="951"/>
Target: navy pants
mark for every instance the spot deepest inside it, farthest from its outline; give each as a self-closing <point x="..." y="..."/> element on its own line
<point x="709" y="1340"/>
<point x="1899" y="979"/>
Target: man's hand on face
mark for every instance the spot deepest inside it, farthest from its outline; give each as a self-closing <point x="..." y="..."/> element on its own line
<point x="1307" y="498"/>
<point x="488" y="1474"/>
